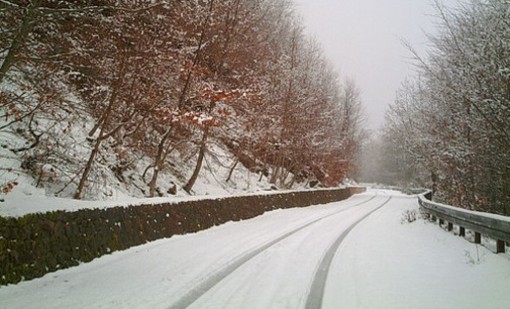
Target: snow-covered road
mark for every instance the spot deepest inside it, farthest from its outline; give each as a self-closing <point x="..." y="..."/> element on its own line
<point x="349" y="254"/>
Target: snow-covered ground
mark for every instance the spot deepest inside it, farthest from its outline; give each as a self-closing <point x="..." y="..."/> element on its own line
<point x="271" y="261"/>
<point x="386" y="264"/>
<point x="18" y="203"/>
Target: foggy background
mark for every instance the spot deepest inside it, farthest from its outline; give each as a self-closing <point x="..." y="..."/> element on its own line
<point x="362" y="38"/>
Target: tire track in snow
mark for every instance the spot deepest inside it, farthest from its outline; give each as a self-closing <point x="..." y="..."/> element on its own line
<point x="195" y="293"/>
<point x="316" y="294"/>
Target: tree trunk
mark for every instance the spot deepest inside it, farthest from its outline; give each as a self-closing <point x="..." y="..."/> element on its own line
<point x="160" y="157"/>
<point x="232" y="170"/>
<point x="291" y="183"/>
<point x="197" y="56"/>
<point x="433" y="177"/>
<point x="88" y="167"/>
<point x="261" y="176"/>
<point x="19" y="41"/>
<point x="154" y="179"/>
<point x="95" y="150"/>
<point x="274" y="176"/>
<point x="283" y="178"/>
<point x="201" y="153"/>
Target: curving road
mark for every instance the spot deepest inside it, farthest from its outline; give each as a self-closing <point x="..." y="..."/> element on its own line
<point x="351" y="254"/>
<point x="287" y="262"/>
<point x="279" y="260"/>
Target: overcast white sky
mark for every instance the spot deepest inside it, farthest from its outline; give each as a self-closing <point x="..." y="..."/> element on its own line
<point x="362" y="38"/>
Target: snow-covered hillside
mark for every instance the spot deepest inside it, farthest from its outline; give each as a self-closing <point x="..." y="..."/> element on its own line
<point x="37" y="176"/>
<point x="150" y="99"/>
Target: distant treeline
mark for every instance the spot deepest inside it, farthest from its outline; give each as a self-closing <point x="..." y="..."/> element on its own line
<point x="450" y="125"/>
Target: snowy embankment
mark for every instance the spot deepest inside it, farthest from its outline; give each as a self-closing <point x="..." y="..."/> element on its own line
<point x="18" y="204"/>
<point x="271" y="261"/>
<point x="40" y="180"/>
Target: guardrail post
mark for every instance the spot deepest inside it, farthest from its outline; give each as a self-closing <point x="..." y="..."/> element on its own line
<point x="477" y="223"/>
<point x="478" y="238"/>
<point x="500" y="246"/>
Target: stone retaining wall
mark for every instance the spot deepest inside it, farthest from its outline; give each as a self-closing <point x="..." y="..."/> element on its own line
<point x="35" y="244"/>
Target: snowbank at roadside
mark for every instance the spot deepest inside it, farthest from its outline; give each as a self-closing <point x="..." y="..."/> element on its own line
<point x="21" y="202"/>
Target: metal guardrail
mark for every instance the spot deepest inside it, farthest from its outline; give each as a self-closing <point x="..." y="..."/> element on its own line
<point x="494" y="226"/>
